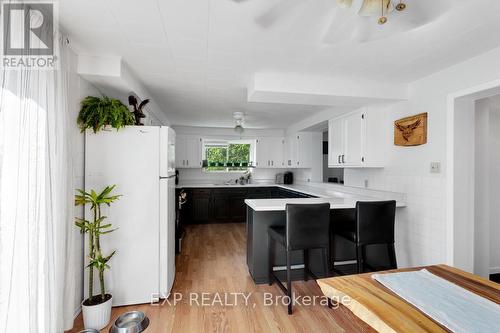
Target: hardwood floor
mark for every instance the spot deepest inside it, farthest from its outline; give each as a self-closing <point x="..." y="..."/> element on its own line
<point x="214" y="261"/>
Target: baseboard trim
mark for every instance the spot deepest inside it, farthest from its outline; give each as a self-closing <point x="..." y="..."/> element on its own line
<point x="77" y="311"/>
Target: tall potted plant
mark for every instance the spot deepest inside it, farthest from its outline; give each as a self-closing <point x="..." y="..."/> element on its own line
<point x="96" y="308"/>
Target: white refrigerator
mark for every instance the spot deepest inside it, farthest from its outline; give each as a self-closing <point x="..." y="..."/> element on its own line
<point x="140" y="160"/>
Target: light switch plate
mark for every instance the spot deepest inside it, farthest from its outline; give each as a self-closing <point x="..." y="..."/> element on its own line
<point x="435" y="167"/>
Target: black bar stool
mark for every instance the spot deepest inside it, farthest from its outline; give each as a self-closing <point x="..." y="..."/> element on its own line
<point x="307" y="227"/>
<point x="374" y="225"/>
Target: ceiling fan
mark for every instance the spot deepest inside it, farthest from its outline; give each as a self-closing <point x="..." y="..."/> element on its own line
<point x="373" y="7"/>
<point x="353" y="19"/>
<point x="239" y="118"/>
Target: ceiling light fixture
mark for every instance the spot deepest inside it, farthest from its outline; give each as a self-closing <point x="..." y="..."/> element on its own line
<point x="372" y="7"/>
<point x="239" y="118"/>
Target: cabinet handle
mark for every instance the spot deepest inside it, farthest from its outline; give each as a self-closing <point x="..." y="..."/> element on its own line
<point x="187" y="162"/>
<point x="183" y="162"/>
<point x="343" y="160"/>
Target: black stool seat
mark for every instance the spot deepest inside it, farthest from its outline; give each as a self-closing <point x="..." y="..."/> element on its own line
<point x="278" y="233"/>
<point x="307" y="227"/>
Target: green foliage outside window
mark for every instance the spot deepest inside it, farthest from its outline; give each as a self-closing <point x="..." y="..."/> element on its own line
<point x="233" y="157"/>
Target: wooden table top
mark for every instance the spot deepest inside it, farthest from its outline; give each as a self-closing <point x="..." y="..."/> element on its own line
<point x="383" y="310"/>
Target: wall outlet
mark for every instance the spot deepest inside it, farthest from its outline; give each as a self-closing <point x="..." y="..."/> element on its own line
<point x="435" y="167"/>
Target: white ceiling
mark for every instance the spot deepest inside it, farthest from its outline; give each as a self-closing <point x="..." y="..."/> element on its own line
<point x="197" y="57"/>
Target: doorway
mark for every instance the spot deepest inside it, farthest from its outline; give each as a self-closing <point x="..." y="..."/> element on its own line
<point x="473" y="178"/>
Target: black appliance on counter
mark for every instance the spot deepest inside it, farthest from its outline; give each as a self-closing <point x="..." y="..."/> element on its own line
<point x="288" y="177"/>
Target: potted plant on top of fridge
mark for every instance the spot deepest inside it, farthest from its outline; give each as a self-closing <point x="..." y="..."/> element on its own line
<point x="98" y="112"/>
<point x="96" y="308"/>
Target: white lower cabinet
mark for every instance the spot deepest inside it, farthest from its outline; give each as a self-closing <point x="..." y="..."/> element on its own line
<point x="356" y="140"/>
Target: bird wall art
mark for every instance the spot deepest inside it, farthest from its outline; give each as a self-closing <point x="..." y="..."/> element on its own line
<point x="411" y="131"/>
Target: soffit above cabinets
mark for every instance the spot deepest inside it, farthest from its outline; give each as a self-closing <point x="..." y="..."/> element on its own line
<point x="197" y="57"/>
<point x="316" y="90"/>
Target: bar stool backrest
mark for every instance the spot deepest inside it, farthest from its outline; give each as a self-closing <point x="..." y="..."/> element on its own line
<point x="375" y="222"/>
<point x="307" y="226"/>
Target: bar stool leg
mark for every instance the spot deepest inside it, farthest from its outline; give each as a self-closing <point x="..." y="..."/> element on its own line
<point x="306" y="264"/>
<point x="392" y="256"/>
<point x="289" y="280"/>
<point x="326" y="261"/>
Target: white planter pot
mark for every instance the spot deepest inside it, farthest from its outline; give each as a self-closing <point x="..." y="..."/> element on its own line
<point x="97" y="316"/>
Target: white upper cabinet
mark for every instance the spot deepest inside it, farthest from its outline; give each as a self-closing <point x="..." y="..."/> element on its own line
<point x="335" y="142"/>
<point x="188" y="152"/>
<point x="304" y="150"/>
<point x="270" y="152"/>
<point x="291" y="151"/>
<point x="298" y="150"/>
<point x="356" y="140"/>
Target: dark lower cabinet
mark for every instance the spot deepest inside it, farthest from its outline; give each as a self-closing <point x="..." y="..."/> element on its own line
<point x="222" y="205"/>
<point x="237" y="206"/>
<point x="201" y="205"/>
<point x="259" y="193"/>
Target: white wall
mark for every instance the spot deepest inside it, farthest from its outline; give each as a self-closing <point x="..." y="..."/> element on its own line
<point x="486" y="184"/>
<point x="77" y="90"/>
<point x="494" y="182"/>
<point x="421" y="232"/>
<point x="481" y="162"/>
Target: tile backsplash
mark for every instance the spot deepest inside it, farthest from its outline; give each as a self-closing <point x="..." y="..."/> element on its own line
<point x="420" y="231"/>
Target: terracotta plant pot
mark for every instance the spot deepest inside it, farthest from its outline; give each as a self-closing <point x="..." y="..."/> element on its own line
<point x="97" y="316"/>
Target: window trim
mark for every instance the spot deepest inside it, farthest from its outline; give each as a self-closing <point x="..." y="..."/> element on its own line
<point x="225" y="143"/>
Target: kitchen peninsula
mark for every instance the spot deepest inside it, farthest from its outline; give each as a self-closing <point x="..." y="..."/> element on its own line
<point x="264" y="213"/>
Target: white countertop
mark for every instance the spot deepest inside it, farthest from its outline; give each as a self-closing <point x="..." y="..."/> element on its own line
<point x="337" y="196"/>
<point x="265" y="205"/>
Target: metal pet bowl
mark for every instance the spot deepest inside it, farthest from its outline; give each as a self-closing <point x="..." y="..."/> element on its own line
<point x="89" y="330"/>
<point x="130" y="322"/>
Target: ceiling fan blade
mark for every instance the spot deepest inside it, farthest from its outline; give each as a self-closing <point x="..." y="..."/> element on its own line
<point x="344" y="3"/>
<point x="276" y="12"/>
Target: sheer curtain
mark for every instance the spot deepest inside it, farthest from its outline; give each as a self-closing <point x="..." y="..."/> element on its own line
<point x="37" y="257"/>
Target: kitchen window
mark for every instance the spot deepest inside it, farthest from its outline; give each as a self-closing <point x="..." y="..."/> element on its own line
<point x="227" y="155"/>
